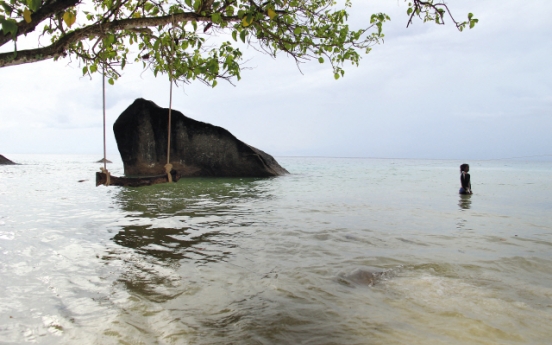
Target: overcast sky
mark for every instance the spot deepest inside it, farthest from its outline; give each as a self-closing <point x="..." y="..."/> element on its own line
<point x="428" y="92"/>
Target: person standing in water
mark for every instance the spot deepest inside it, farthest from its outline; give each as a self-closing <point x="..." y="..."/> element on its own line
<point x="465" y="179"/>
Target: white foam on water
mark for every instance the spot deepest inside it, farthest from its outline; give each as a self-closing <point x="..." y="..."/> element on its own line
<point x="452" y="310"/>
<point x="7" y="235"/>
<point x="53" y="324"/>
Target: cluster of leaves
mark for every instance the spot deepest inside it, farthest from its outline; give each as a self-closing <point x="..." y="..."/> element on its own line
<point x="171" y="36"/>
<point x="430" y="11"/>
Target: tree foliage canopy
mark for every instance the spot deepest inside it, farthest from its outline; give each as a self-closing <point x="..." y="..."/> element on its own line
<point x="177" y="37"/>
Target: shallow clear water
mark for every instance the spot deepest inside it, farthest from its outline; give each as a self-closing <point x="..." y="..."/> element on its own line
<point x="288" y="260"/>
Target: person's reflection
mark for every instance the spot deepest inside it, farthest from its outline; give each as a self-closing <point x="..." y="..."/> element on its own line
<point x="464" y="202"/>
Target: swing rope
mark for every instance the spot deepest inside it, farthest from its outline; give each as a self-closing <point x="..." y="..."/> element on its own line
<point x="168" y="166"/>
<point x="104" y="168"/>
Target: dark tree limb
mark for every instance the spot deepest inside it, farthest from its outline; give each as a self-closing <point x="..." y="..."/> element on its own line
<point x="43" y="13"/>
<point x="60" y="47"/>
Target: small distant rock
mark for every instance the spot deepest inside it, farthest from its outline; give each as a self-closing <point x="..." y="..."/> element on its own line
<point x="104" y="160"/>
<point x="5" y="161"/>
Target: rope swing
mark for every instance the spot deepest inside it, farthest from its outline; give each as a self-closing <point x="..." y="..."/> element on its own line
<point x="168" y="166"/>
<point x="104" y="168"/>
<point x="105" y="178"/>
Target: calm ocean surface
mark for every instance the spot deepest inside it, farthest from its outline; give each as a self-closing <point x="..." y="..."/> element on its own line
<point x="341" y="251"/>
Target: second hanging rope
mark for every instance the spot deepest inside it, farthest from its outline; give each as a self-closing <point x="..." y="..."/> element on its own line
<point x="168" y="166"/>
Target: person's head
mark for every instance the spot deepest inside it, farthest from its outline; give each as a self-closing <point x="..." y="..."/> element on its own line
<point x="464" y="167"/>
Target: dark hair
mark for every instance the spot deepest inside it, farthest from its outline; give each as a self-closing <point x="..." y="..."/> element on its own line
<point x="464" y="166"/>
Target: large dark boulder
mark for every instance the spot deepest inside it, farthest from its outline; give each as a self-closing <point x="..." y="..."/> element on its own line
<point x="5" y="161"/>
<point x="197" y="148"/>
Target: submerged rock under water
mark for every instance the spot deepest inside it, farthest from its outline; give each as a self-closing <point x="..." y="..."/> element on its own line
<point x="363" y="277"/>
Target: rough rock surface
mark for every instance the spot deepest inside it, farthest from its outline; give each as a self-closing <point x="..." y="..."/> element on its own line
<point x="5" y="161"/>
<point x="197" y="148"/>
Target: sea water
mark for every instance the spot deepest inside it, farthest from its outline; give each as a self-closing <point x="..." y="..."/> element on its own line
<point x="341" y="251"/>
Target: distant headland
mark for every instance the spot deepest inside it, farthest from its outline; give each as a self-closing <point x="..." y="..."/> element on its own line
<point x="5" y="161"/>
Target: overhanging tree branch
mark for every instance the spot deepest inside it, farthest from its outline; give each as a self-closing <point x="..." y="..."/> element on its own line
<point x="40" y="15"/>
<point x="109" y="33"/>
<point x="59" y="47"/>
<point x="435" y="12"/>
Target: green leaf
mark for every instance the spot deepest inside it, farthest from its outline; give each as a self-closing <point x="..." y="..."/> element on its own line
<point x="9" y="26"/>
<point x="111" y="81"/>
<point x="247" y="20"/>
<point x="235" y="35"/>
<point x="336" y="76"/>
<point x="321" y="59"/>
<point x="84" y="70"/>
<point x="110" y="39"/>
<point x="197" y="5"/>
<point x="34" y="5"/>
<point x="216" y="18"/>
<point x="242" y="35"/>
<point x="7" y="8"/>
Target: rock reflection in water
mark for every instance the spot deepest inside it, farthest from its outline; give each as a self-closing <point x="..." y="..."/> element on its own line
<point x="171" y="244"/>
<point x="193" y="222"/>
<point x="192" y="197"/>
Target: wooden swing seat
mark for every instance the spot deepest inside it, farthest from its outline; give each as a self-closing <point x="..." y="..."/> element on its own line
<point x="101" y="178"/>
